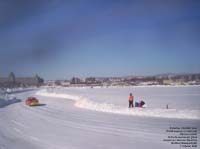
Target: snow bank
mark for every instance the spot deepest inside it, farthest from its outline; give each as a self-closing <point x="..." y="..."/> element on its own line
<point x="48" y="93"/>
<point x="86" y="103"/>
<point x="163" y="113"/>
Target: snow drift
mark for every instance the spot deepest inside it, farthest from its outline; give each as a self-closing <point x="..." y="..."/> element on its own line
<point x="86" y="103"/>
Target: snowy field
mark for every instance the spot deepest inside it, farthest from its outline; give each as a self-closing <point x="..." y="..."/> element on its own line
<point x="183" y="102"/>
<point x="88" y="118"/>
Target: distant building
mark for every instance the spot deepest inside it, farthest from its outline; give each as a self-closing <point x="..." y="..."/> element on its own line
<point x="12" y="81"/>
<point x="65" y="83"/>
<point x="90" y="80"/>
<point x="11" y="77"/>
<point x="49" y="82"/>
<point x="168" y="82"/>
<point x="3" y="80"/>
<point x="75" y="80"/>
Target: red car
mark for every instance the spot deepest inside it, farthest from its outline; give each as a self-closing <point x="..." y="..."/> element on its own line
<point x="32" y="101"/>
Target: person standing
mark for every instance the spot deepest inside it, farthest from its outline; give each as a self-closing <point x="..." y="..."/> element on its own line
<point x="130" y="100"/>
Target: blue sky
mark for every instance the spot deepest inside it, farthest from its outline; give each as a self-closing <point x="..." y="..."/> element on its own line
<point x="60" y="39"/>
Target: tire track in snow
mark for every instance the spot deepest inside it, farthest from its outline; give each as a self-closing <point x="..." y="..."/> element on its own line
<point x="46" y="115"/>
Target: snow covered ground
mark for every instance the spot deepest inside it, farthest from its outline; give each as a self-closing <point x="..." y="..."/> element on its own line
<point x="90" y="118"/>
<point x="183" y="102"/>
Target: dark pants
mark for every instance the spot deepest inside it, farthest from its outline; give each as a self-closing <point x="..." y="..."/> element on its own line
<point x="130" y="104"/>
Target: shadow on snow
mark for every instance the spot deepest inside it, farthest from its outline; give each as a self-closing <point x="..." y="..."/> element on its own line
<point x="40" y="104"/>
<point x="4" y="103"/>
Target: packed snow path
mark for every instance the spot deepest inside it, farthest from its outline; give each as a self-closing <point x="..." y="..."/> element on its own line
<point x="61" y="125"/>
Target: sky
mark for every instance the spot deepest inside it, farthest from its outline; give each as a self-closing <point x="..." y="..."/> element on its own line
<point x="59" y="39"/>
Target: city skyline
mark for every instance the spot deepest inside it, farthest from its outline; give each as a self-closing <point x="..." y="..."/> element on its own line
<point x="62" y="39"/>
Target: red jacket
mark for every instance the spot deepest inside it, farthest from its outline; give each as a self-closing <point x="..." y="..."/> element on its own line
<point x="130" y="98"/>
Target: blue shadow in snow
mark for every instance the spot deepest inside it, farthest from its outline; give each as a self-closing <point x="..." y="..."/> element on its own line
<point x="4" y="103"/>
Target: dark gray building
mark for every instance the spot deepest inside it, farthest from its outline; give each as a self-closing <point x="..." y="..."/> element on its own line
<point x="75" y="80"/>
<point x="12" y="81"/>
